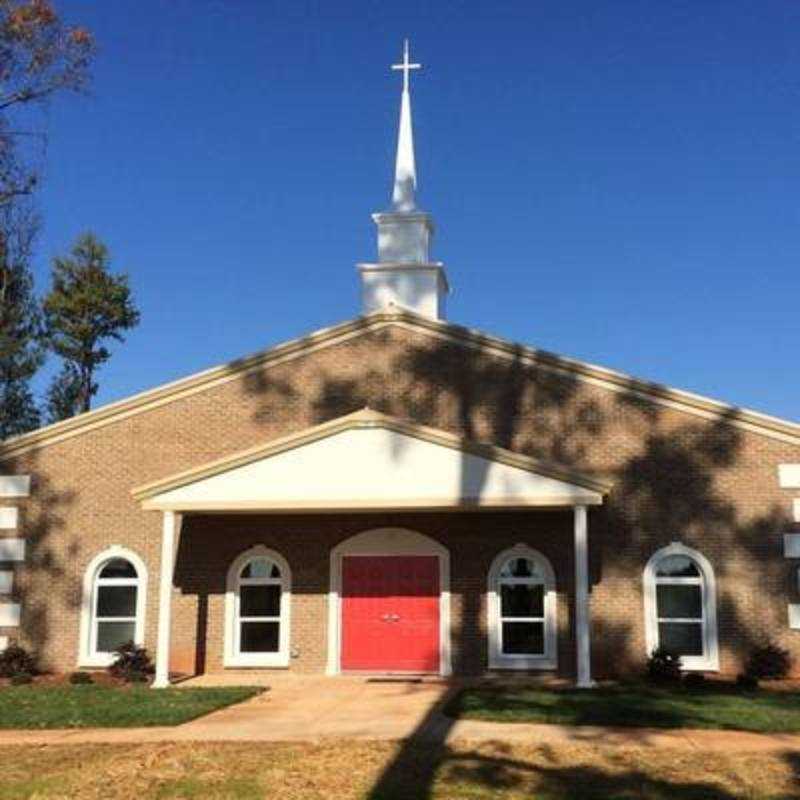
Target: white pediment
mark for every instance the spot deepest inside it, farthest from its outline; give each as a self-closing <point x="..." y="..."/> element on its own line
<point x="367" y="462"/>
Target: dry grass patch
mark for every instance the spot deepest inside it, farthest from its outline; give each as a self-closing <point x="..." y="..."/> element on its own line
<point x="384" y="771"/>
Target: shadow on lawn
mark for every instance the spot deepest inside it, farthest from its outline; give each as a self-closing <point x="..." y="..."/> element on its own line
<point x="793" y="760"/>
<point x="723" y="706"/>
<point x="496" y="771"/>
<point x="426" y="758"/>
<point x="492" y="768"/>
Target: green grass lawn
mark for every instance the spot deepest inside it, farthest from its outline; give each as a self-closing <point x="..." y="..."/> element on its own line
<point x="635" y="706"/>
<point x="110" y="707"/>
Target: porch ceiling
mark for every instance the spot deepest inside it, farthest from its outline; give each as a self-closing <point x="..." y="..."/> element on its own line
<point x="369" y="461"/>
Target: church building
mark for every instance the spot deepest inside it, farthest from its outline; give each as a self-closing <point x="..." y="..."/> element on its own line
<point x="400" y="494"/>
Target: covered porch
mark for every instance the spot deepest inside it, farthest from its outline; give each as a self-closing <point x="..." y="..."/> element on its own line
<point x="395" y="548"/>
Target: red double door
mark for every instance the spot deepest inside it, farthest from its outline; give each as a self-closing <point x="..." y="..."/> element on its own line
<point x="390" y="613"/>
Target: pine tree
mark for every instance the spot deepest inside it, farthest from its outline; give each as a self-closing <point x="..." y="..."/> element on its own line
<point x="21" y="353"/>
<point x="86" y="307"/>
<point x="64" y="394"/>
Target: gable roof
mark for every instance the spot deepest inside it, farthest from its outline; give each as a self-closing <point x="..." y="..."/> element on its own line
<point x="763" y="424"/>
<point x="391" y="464"/>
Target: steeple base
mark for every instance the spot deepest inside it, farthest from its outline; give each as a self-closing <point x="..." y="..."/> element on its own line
<point x="421" y="288"/>
<point x="404" y="237"/>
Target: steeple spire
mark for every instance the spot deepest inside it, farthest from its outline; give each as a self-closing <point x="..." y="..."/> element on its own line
<point x="404" y="275"/>
<point x="405" y="170"/>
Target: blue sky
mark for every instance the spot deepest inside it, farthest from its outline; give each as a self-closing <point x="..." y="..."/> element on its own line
<point x="613" y="181"/>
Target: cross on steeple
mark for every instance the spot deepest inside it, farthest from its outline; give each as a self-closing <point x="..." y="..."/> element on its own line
<point x="406" y="66"/>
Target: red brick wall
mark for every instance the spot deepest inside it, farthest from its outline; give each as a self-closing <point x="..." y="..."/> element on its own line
<point x="676" y="476"/>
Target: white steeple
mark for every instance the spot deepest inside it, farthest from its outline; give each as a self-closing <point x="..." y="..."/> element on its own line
<point x="405" y="168"/>
<point x="404" y="275"/>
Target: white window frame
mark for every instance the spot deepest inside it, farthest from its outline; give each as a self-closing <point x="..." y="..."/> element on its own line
<point x="709" y="661"/>
<point x="497" y="658"/>
<point x="88" y="656"/>
<point x="233" y="656"/>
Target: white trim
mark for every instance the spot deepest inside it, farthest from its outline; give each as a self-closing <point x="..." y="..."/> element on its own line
<point x="709" y="662"/>
<point x="232" y="656"/>
<point x="10" y="615"/>
<point x="12" y="549"/>
<point x="9" y="517"/>
<point x="583" y="646"/>
<point x="15" y="485"/>
<point x="794" y="616"/>
<point x="387" y="542"/>
<point x="499" y="660"/>
<point x="3" y="643"/>
<point x="796" y="510"/>
<point x="791" y="545"/>
<point x="789" y="476"/>
<point x="6" y="581"/>
<point x="171" y="528"/>
<point x="86" y="655"/>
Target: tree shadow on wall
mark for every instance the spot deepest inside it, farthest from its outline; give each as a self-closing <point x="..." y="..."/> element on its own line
<point x="673" y="473"/>
<point x="45" y="579"/>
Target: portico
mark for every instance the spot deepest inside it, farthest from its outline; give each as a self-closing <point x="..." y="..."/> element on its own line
<point x="368" y="463"/>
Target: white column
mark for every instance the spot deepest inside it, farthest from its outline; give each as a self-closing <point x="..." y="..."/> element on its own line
<point x="172" y="523"/>
<point x="582" y="633"/>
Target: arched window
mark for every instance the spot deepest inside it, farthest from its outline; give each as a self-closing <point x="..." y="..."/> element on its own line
<point x="681" y="606"/>
<point x="257" y="613"/>
<point x="522" y="611"/>
<point x="114" y="596"/>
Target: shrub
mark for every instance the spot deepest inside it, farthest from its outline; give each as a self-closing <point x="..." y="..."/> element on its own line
<point x="694" y="680"/>
<point x="21" y="678"/>
<point x="748" y="683"/>
<point x="664" y="666"/>
<point x="80" y="678"/>
<point x="768" y="661"/>
<point x="16" y="660"/>
<point x="132" y="663"/>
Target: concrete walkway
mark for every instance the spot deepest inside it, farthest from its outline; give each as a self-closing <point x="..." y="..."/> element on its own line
<point x="318" y="708"/>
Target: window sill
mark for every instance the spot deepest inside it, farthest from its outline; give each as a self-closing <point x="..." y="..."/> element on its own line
<point x="523" y="663"/>
<point x="96" y="661"/>
<point x="693" y="665"/>
<point x="271" y="661"/>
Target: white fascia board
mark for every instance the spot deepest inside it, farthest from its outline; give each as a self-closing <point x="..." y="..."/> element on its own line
<point x="12" y="549"/>
<point x="15" y="485"/>
<point x="8" y="518"/>
<point x="10" y="614"/>
<point x="789" y="476"/>
<point x="791" y="545"/>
